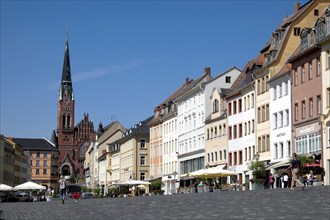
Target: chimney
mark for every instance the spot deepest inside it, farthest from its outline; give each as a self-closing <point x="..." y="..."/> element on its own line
<point x="187" y="81"/>
<point x="207" y="70"/>
<point x="296" y="7"/>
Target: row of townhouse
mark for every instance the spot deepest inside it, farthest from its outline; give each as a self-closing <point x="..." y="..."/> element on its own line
<point x="206" y="123"/>
<point x="118" y="154"/>
<point x="278" y="104"/>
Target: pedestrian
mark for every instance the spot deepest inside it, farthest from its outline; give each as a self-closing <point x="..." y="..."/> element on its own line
<point x="271" y="180"/>
<point x="196" y="187"/>
<point x="295" y="164"/>
<point x="285" y="180"/>
<point x="63" y="188"/>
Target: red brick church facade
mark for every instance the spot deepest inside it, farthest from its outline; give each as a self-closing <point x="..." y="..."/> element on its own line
<point x="71" y="141"/>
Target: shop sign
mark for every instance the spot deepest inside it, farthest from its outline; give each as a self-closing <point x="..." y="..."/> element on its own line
<point x="308" y="129"/>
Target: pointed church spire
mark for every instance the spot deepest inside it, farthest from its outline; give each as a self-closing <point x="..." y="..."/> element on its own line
<point x="66" y="72"/>
<point x="66" y="90"/>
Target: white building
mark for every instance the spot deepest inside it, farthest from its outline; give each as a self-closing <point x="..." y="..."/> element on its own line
<point x="190" y="119"/>
<point x="241" y="125"/>
<point x="280" y="119"/>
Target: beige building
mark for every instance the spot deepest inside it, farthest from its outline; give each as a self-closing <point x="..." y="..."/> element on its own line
<point x="134" y="153"/>
<point x="283" y="42"/>
<point x="14" y="164"/>
<point x="43" y="156"/>
<point x="216" y="141"/>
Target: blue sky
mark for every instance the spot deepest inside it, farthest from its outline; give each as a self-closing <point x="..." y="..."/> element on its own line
<point x="126" y="56"/>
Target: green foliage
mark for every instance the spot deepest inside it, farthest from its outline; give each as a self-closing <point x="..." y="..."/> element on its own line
<point x="156" y="184"/>
<point x="258" y="171"/>
<point x="304" y="159"/>
<point x="96" y="191"/>
<point x="84" y="188"/>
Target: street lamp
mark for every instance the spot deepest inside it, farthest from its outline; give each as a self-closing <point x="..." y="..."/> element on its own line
<point x="257" y="156"/>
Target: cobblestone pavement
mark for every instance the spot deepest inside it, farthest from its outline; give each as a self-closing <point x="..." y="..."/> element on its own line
<point x="313" y="203"/>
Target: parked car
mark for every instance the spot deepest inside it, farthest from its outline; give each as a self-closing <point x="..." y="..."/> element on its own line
<point x="87" y="195"/>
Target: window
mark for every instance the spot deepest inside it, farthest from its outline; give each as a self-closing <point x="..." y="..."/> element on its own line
<point x="274" y="93"/>
<point x="230" y="159"/>
<point x="296" y="108"/>
<point x="295" y="72"/>
<point x="38" y="154"/>
<point x="280" y="91"/>
<point x="259" y="115"/>
<point x="240" y="130"/>
<point x="235" y="131"/>
<point x="280" y="120"/>
<point x="296" y="31"/>
<point x="328" y="96"/>
<point x="228" y="79"/>
<point x="224" y="154"/>
<point x="287" y="117"/>
<point x="267" y="112"/>
<point x="289" y="148"/>
<point x="142" y="143"/>
<point x="281" y="150"/>
<point x="37" y="171"/>
<point x="316" y="12"/>
<point x="311" y="107"/>
<point x="235" y="158"/>
<point x="310" y="70"/>
<point x="303" y="109"/>
<point x="286" y="88"/>
<point x="45" y="154"/>
<point x="275" y="151"/>
<point x="319" y="104"/>
<point x="302" y="74"/>
<point x="252" y="126"/>
<point x="229" y="108"/>
<point x="143" y="160"/>
<point x="215" y="105"/>
<point x="240" y="157"/>
<point x="45" y="163"/>
<point x="240" y="105"/>
<point x="220" y="155"/>
<point x="274" y="120"/>
<point x="252" y="100"/>
<point x="37" y="163"/>
<point x="328" y="58"/>
<point x="44" y="171"/>
<point x="244" y="103"/>
<point x="229" y="132"/>
<point x="142" y="176"/>
<point x="318" y="67"/>
<point x="234" y="107"/>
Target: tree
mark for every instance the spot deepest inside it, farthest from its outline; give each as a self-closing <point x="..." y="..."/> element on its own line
<point x="258" y="171"/>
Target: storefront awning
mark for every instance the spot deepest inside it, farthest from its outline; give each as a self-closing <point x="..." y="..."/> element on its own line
<point x="283" y="163"/>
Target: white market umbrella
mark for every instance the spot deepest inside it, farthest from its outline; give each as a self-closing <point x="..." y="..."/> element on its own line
<point x="29" y="186"/>
<point x="135" y="182"/>
<point x="213" y="172"/>
<point x="4" y="187"/>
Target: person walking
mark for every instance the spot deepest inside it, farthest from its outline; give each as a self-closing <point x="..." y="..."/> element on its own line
<point x="295" y="164"/>
<point x="271" y="180"/>
<point x="63" y="188"/>
<point x="285" y="180"/>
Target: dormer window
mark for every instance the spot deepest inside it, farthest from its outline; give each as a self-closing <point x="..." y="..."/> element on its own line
<point x="296" y="31"/>
<point x="215" y="106"/>
<point x="320" y="32"/>
<point x="228" y="79"/>
<point x="304" y="42"/>
<point x="311" y="38"/>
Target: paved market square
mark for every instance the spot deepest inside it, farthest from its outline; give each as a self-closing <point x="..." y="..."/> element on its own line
<point x="313" y="203"/>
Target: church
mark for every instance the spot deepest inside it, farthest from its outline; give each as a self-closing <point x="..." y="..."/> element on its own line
<point x="71" y="141"/>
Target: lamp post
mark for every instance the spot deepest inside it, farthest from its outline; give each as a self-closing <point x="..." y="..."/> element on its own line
<point x="257" y="156"/>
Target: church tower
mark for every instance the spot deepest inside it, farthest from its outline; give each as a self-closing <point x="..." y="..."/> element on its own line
<point x="65" y="114"/>
<point x="71" y="141"/>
